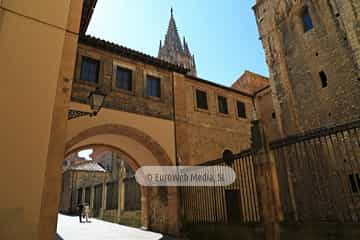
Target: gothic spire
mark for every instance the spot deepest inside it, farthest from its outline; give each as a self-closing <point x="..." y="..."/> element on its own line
<point x="172" y="39"/>
<point x="175" y="51"/>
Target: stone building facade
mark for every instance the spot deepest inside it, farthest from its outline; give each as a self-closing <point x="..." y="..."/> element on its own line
<point x="107" y="184"/>
<point x="312" y="50"/>
<point x="158" y="112"/>
<point x="176" y="52"/>
<point x="201" y="134"/>
<point x="259" y="87"/>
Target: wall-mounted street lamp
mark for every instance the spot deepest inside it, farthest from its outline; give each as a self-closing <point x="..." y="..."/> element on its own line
<point x="96" y="101"/>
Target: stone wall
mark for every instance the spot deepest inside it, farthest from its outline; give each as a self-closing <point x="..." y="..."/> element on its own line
<point x="135" y="101"/>
<point x="250" y="82"/>
<point x="259" y="87"/>
<point x="71" y="182"/>
<point x="203" y="135"/>
<point x="266" y="113"/>
<point x="296" y="58"/>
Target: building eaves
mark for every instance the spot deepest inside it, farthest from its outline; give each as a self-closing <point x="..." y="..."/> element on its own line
<point x="129" y="53"/>
<point x="90" y="166"/>
<point x="87" y="11"/>
<point x="219" y="86"/>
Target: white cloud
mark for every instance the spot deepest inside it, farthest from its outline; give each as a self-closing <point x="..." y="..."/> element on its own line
<point x="85" y="154"/>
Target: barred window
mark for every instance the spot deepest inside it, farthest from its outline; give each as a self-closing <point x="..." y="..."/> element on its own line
<point x="153" y="86"/>
<point x="123" y="78"/>
<point x="223" y="107"/>
<point x="307" y="21"/>
<point x="112" y="195"/>
<point x="241" y="109"/>
<point x="89" y="70"/>
<point x="201" y="99"/>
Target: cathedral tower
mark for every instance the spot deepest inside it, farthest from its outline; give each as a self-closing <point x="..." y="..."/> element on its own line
<point x="174" y="51"/>
<point x="313" y="53"/>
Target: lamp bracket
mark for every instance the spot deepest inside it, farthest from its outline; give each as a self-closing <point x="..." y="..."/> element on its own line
<point x="76" y="113"/>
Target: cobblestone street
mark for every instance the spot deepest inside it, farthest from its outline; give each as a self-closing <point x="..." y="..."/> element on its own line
<point x="69" y="228"/>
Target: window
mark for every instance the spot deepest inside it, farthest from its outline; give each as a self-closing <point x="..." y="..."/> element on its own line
<point x="89" y="70"/>
<point x="323" y="79"/>
<point x="307" y="22"/>
<point x="241" y="109"/>
<point x="112" y="195"/>
<point x="223" y="108"/>
<point x="153" y="86"/>
<point x="87" y="195"/>
<point x="355" y="182"/>
<point x="123" y="78"/>
<point x="273" y="115"/>
<point x="79" y="196"/>
<point x="98" y="196"/>
<point x="201" y="99"/>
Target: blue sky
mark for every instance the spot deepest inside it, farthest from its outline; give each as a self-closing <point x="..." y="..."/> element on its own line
<point x="221" y="33"/>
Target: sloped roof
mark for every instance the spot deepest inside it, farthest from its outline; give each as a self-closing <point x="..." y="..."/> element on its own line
<point x="129" y="53"/>
<point x="87" y="11"/>
<point x="90" y="166"/>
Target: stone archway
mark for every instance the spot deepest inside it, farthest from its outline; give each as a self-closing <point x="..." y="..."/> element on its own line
<point x="117" y="129"/>
<point x="81" y="140"/>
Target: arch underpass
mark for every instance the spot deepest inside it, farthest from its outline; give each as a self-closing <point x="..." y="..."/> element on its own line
<point x="139" y="144"/>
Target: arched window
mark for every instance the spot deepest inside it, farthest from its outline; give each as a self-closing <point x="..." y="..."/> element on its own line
<point x="306" y="19"/>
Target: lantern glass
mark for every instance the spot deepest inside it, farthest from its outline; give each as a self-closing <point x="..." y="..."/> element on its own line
<point x="96" y="100"/>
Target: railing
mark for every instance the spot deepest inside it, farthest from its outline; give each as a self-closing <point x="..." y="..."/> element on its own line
<point x="318" y="174"/>
<point x="236" y="202"/>
<point x="319" y="180"/>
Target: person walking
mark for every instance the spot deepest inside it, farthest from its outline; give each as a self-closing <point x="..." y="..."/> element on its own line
<point x="81" y="210"/>
<point x="87" y="212"/>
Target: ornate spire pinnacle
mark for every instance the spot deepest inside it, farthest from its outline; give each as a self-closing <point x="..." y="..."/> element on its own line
<point x="194" y="65"/>
<point x="186" y="47"/>
<point x="173" y="50"/>
<point x="172" y="39"/>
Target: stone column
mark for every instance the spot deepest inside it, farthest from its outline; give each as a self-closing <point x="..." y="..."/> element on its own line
<point x="121" y="189"/>
<point x="144" y="207"/>
<point x="118" y="210"/>
<point x="266" y="182"/>
<point x="92" y="192"/>
<point x="103" y="202"/>
<point x="82" y="194"/>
